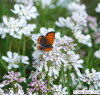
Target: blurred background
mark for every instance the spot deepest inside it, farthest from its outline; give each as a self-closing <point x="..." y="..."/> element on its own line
<point x="6" y="5"/>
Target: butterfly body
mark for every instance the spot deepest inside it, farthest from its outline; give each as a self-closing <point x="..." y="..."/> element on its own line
<point x="46" y="42"/>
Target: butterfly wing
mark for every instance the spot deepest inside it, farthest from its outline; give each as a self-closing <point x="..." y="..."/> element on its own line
<point x="44" y="45"/>
<point x="42" y="40"/>
<point x="44" y="49"/>
<point x="50" y="37"/>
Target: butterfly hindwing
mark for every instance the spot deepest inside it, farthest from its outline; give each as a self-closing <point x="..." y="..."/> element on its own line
<point x="42" y="40"/>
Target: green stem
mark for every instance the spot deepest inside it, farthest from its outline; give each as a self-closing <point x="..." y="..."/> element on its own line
<point x="24" y="46"/>
<point x="23" y="69"/>
<point x="4" y="65"/>
<point x="10" y="45"/>
<point x="63" y="77"/>
<point x="68" y="83"/>
<point x="48" y="78"/>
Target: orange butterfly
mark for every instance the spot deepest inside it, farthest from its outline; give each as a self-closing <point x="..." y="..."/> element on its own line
<point x="46" y="42"/>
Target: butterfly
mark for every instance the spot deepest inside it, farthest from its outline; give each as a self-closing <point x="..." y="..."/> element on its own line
<point x="46" y="42"/>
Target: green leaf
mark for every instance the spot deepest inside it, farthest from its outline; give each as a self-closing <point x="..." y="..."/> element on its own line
<point x="4" y="65"/>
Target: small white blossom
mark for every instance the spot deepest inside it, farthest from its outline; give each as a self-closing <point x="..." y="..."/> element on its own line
<point x="3" y="32"/>
<point x="14" y="59"/>
<point x="97" y="54"/>
<point x="62" y="22"/>
<point x="98" y="8"/>
<point x="58" y="90"/>
<point x="25" y="59"/>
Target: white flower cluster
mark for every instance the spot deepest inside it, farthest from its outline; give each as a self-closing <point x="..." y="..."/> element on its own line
<point x="92" y="79"/>
<point x="98" y="8"/>
<point x="73" y="6"/>
<point x="19" y="90"/>
<point x="77" y="22"/>
<point x="14" y="59"/>
<point x="97" y="54"/>
<point x="87" y="81"/>
<point x="17" y="27"/>
<point x="56" y="57"/>
<point x="25" y="12"/>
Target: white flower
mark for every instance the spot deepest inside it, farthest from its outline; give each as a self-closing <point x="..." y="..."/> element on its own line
<point x="58" y="90"/>
<point x="74" y="80"/>
<point x="73" y="6"/>
<point x="19" y="90"/>
<point x="98" y="8"/>
<point x="27" y="30"/>
<point x="26" y="12"/>
<point x="3" y="32"/>
<point x="54" y="71"/>
<point x="46" y="3"/>
<point x="92" y="79"/>
<point x="80" y="18"/>
<point x="65" y="22"/>
<point x="26" y="2"/>
<point x="44" y="31"/>
<point x="84" y="39"/>
<point x="14" y="59"/>
<point x="2" y="92"/>
<point x="97" y="54"/>
<point x="14" y="25"/>
<point x="73" y="60"/>
<point x="17" y="27"/>
<point x="25" y="59"/>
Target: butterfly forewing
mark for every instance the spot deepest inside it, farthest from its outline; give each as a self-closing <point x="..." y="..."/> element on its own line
<point x="50" y="37"/>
